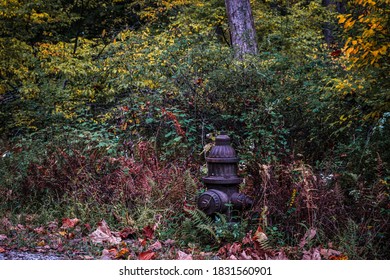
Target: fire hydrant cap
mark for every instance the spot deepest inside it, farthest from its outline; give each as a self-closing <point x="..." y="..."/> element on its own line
<point x="222" y="140"/>
<point x="222" y="151"/>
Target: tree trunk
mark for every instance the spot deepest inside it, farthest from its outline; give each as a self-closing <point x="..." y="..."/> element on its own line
<point x="329" y="27"/>
<point x="242" y="28"/>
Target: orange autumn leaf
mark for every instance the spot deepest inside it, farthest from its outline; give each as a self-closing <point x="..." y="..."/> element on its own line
<point x="2" y="250"/>
<point x="340" y="257"/>
<point x="259" y="235"/>
<point x="122" y="254"/>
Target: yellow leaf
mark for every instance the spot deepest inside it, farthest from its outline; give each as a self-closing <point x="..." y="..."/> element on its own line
<point x="349" y="23"/>
<point x="342" y="19"/>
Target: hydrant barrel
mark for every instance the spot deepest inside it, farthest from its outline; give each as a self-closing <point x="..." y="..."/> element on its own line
<point x="222" y="181"/>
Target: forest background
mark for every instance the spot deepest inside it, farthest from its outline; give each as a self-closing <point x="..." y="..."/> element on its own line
<point x="108" y="108"/>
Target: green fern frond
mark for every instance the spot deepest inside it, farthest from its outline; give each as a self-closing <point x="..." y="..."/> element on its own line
<point x="200" y="218"/>
<point x="208" y="230"/>
<point x="191" y="188"/>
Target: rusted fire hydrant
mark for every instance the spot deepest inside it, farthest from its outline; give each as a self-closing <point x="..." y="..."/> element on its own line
<point x="222" y="181"/>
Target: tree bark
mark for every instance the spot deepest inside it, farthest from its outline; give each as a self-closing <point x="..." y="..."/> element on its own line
<point x="242" y="27"/>
<point x="329" y="27"/>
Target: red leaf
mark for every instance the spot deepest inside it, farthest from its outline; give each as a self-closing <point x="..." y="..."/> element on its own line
<point x="147" y="255"/>
<point x="2" y="250"/>
<point x="235" y="248"/>
<point x="247" y="239"/>
<point x="69" y="223"/>
<point x="148" y="232"/>
<point x="142" y="242"/>
<point x="335" y="53"/>
<point x="125" y="108"/>
<point x="127" y="233"/>
<point x="88" y="227"/>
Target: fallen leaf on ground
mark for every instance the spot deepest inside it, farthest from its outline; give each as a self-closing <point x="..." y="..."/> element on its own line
<point x="40" y="230"/>
<point x="147" y="255"/>
<point x="127" y="233"/>
<point x="244" y="256"/>
<point x="122" y="254"/>
<point x="2" y="250"/>
<point x="155" y="246"/>
<point x="103" y="234"/>
<point x="183" y="256"/>
<point x="142" y="242"/>
<point x="52" y="226"/>
<point x="338" y="258"/>
<point x="69" y="223"/>
<point x="277" y="256"/>
<point x="235" y="248"/>
<point x="312" y="254"/>
<point x="70" y="235"/>
<point x="109" y="254"/>
<point x="41" y="243"/>
<point x="169" y="242"/>
<point x="327" y="253"/>
<point x="148" y="232"/>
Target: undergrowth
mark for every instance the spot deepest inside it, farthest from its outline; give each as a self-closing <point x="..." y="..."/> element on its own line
<point x="290" y="198"/>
